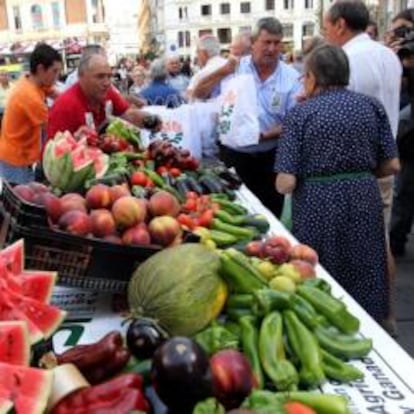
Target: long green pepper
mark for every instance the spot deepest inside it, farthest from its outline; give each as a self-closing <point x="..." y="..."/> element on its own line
<point x="272" y="354"/>
<point x="249" y="336"/>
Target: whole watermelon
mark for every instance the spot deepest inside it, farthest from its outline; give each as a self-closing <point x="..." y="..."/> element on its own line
<point x="180" y="288"/>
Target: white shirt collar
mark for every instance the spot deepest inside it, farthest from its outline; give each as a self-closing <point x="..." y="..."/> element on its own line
<point x="362" y="37"/>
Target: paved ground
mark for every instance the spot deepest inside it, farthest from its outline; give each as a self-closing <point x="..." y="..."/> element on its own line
<point x="405" y="298"/>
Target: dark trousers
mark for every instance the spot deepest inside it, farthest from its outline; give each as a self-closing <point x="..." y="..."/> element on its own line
<point x="257" y="172"/>
<point x="403" y="207"/>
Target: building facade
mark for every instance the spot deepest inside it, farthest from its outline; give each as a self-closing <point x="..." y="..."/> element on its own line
<point x="186" y="20"/>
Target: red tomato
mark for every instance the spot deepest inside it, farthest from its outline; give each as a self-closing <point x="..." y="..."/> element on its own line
<point x="191" y="194"/>
<point x="150" y="183"/>
<point x="139" y="178"/>
<point x="190" y="205"/>
<point x="175" y="172"/>
<point x="294" y="407"/>
<point x="186" y="221"/>
<point x="162" y="170"/>
<point x="206" y="218"/>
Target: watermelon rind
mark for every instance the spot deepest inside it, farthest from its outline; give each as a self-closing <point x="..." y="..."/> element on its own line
<point x="13" y="257"/>
<point x="6" y="406"/>
<point x="38" y="284"/>
<point x="28" y="388"/>
<point x="14" y="343"/>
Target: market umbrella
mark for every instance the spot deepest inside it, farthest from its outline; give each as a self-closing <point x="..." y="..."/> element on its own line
<point x="144" y="26"/>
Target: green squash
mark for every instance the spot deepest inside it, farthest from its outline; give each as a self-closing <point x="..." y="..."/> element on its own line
<point x="179" y="288"/>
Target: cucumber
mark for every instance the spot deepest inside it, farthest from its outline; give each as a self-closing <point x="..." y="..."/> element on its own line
<point x="222" y="239"/>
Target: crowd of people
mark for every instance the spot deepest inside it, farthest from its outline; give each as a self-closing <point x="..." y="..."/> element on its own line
<point x="335" y="124"/>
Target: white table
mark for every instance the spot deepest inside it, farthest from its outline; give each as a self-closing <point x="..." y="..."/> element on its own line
<point x="388" y="386"/>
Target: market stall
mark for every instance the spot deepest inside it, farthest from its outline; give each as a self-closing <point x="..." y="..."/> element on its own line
<point x="388" y="386"/>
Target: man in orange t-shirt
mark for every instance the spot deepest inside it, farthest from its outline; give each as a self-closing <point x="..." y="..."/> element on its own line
<point x="25" y="116"/>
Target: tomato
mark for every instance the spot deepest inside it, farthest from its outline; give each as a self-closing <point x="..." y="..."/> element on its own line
<point x="191" y="194"/>
<point x="150" y="183"/>
<point x="294" y="407"/>
<point x="206" y="218"/>
<point x="139" y="178"/>
<point x="186" y="221"/>
<point x="162" y="170"/>
<point x="190" y="205"/>
<point x="175" y="172"/>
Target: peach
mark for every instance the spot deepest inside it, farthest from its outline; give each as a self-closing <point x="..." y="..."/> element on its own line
<point x="38" y="187"/>
<point x="163" y="203"/>
<point x="52" y="204"/>
<point x="75" y="222"/>
<point x="24" y="192"/>
<point x="164" y="230"/>
<point x="73" y="201"/>
<point x="279" y="241"/>
<point x="129" y="211"/>
<point x="304" y="252"/>
<point x="118" y="191"/>
<point x="305" y="268"/>
<point x="137" y="235"/>
<point x="102" y="223"/>
<point x="254" y="248"/>
<point x="98" y="196"/>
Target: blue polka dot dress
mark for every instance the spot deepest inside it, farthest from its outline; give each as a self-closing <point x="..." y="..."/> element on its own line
<point x="340" y="132"/>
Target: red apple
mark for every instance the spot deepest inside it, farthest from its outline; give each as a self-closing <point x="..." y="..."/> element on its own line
<point x="232" y="377"/>
<point x="304" y="252"/>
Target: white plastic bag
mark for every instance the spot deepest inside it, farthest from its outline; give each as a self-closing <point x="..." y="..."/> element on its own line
<point x="179" y="127"/>
<point x="238" y="123"/>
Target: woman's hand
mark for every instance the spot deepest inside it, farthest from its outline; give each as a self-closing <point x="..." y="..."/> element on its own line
<point x="285" y="183"/>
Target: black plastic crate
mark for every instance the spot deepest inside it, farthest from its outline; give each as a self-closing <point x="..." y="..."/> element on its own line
<point x="80" y="262"/>
<point x="25" y="213"/>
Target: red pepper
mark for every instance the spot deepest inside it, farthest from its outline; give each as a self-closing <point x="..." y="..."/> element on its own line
<point x="187" y="221"/>
<point x="206" y="218"/>
<point x="105" y="393"/>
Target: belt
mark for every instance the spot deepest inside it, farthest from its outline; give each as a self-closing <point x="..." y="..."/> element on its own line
<point x="338" y="177"/>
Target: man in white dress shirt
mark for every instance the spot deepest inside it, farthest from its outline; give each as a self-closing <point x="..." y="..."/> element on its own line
<point x="375" y="71"/>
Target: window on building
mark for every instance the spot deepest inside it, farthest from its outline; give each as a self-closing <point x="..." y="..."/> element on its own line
<point x="180" y="39"/>
<point x="225" y="8"/>
<point x="224" y="35"/>
<point x="37" y="18"/>
<point x="269" y="4"/>
<point x="206" y="9"/>
<point x="308" y="29"/>
<point x="56" y="14"/>
<point x="204" y="32"/>
<point x="288" y="4"/>
<point x="245" y="7"/>
<point x="288" y="30"/>
<point x="180" y="13"/>
<point x="187" y="38"/>
<point x="185" y="12"/>
<point x="308" y="4"/>
<point x="97" y="11"/>
<point x="17" y="18"/>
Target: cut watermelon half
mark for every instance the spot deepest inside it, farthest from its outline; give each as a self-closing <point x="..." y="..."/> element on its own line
<point x="28" y="388"/>
<point x="14" y="343"/>
<point x="46" y="317"/>
<point x="13" y="257"/>
<point x="6" y="406"/>
<point x="37" y="284"/>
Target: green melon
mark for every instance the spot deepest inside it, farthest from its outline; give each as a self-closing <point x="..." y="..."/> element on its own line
<point x="179" y="288"/>
<point x="28" y="388"/>
<point x="14" y="343"/>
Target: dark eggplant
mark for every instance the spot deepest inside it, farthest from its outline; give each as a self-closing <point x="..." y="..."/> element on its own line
<point x="182" y="186"/>
<point x="180" y="374"/>
<point x="194" y="185"/>
<point x="210" y="184"/>
<point x="143" y="337"/>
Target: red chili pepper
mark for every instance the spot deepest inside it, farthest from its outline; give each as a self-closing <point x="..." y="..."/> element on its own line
<point x="187" y="221"/>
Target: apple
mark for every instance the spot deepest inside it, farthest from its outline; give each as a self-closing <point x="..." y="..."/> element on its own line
<point x="283" y="284"/>
<point x="279" y="241"/>
<point x="304" y="252"/>
<point x="232" y="377"/>
<point x="276" y="254"/>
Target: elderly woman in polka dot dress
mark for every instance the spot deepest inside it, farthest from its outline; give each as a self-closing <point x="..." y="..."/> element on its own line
<point x="333" y="147"/>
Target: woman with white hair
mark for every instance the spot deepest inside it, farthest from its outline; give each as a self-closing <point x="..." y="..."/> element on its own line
<point x="158" y="91"/>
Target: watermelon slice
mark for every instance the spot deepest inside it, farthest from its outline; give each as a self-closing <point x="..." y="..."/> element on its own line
<point x="8" y="312"/>
<point x="37" y="284"/>
<point x="14" y="343"/>
<point x="13" y="257"/>
<point x="46" y="317"/>
<point x="6" y="406"/>
<point x="28" y="388"/>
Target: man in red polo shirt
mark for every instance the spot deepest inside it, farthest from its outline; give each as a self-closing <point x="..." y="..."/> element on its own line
<point x="88" y="101"/>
